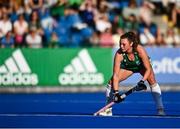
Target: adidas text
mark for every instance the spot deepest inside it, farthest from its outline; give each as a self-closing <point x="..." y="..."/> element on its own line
<point x="18" y="79"/>
<point x="81" y="78"/>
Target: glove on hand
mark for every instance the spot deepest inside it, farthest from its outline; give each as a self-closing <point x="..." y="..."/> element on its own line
<point x="141" y="86"/>
<point x="117" y="97"/>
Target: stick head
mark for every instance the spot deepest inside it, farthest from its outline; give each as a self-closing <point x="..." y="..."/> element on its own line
<point x="95" y="114"/>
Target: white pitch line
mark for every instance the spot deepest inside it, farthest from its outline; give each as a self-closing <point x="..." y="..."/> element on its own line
<point x="88" y="101"/>
<point x="115" y="116"/>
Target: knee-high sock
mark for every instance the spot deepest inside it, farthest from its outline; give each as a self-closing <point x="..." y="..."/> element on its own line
<point x="109" y="94"/>
<point x="156" y="93"/>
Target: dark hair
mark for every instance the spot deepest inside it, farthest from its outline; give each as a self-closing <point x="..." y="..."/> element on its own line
<point x="132" y="37"/>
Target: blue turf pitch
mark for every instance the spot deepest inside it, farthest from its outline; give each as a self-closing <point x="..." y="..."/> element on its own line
<point x="75" y="110"/>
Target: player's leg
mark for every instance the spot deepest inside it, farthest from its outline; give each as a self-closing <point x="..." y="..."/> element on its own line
<point x="156" y="92"/>
<point x="123" y="74"/>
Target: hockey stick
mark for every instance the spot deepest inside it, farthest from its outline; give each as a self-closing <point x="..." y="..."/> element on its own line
<point x="123" y="96"/>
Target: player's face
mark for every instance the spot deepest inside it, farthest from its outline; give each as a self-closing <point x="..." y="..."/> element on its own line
<point x="125" y="45"/>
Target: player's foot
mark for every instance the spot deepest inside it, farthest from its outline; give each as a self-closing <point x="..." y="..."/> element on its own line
<point x="107" y="112"/>
<point x="161" y="112"/>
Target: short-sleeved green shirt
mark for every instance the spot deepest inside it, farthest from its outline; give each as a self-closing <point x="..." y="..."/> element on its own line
<point x="135" y="66"/>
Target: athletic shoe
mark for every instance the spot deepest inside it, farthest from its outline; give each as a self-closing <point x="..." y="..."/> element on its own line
<point x="107" y="112"/>
<point x="161" y="112"/>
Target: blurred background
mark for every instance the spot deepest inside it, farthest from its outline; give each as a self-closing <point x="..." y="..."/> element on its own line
<point x="68" y="45"/>
<point x="62" y="50"/>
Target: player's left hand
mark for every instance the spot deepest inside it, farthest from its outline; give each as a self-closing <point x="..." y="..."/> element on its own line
<point x="117" y="97"/>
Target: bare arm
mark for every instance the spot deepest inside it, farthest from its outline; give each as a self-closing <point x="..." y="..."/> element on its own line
<point x="117" y="60"/>
<point x="174" y="13"/>
<point x="145" y="59"/>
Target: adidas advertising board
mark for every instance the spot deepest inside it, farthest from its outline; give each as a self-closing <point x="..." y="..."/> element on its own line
<point x="55" y="67"/>
<point x="77" y="67"/>
<point x="16" y="71"/>
<point x="81" y="70"/>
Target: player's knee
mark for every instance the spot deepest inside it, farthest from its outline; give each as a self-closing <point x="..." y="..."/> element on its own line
<point x="151" y="80"/>
<point x="156" y="88"/>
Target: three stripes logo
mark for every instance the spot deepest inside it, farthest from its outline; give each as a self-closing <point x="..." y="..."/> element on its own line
<point x="82" y="70"/>
<point x="16" y="71"/>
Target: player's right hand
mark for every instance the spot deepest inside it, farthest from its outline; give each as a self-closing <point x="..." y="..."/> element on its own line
<point x="117" y="97"/>
<point x="141" y="86"/>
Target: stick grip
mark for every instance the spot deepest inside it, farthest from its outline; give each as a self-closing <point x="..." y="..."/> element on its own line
<point x="130" y="91"/>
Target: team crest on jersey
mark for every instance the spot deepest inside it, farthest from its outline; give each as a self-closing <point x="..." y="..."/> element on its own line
<point x="138" y="62"/>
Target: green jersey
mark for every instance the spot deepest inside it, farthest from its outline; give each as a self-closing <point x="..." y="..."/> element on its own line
<point x="135" y="66"/>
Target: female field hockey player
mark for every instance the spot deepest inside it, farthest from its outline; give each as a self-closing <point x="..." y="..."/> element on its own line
<point x="131" y="58"/>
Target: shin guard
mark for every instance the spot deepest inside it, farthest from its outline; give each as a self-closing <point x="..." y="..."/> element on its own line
<point x="109" y="94"/>
<point x="156" y="93"/>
